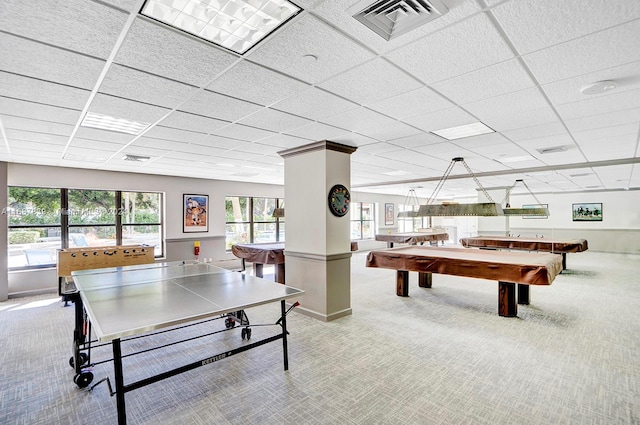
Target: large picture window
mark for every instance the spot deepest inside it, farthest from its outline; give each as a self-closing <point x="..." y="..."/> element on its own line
<point x="251" y="220"/>
<point x="362" y="220"/>
<point x="43" y="220"/>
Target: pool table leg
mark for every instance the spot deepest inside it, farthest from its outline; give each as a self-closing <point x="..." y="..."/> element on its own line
<point x="425" y="280"/>
<point x="507" y="306"/>
<point x="402" y="283"/>
<point x="523" y="294"/>
<point x="564" y="261"/>
<point x="258" y="269"/>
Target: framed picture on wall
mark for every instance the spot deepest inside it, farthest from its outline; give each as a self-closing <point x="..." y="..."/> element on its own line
<point x="388" y="214"/>
<point x="196" y="214"/>
<point x="587" y="212"/>
<point x="535" y="206"/>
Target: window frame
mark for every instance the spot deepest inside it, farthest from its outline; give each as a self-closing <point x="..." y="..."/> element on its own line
<point x="65" y="226"/>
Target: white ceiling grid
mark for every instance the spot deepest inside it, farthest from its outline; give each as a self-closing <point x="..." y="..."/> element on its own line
<point x="516" y="65"/>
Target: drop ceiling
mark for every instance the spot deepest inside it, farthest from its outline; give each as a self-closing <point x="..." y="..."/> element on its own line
<point x="517" y="66"/>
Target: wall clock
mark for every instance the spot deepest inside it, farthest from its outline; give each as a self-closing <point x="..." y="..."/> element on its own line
<point x="339" y="199"/>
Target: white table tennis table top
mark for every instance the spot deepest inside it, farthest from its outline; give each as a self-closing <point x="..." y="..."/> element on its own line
<point x="125" y="301"/>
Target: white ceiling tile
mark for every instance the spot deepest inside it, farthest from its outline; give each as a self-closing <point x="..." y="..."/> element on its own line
<point x="615" y="101"/>
<point x="131" y="84"/>
<point x="370" y="123"/>
<point x="618" y="147"/>
<point x="256" y="84"/>
<point x="309" y="36"/>
<point x="258" y="148"/>
<point x="134" y="111"/>
<point x="416" y="102"/>
<point x="100" y="145"/>
<point x="272" y="120"/>
<point x="439" y="120"/>
<point x="89" y="133"/>
<point x="604" y="120"/>
<point x="525" y="119"/>
<point x="371" y="82"/>
<point x="150" y="142"/>
<point x="37" y="60"/>
<point x="186" y="121"/>
<point x="242" y="132"/>
<point x="602" y="133"/>
<point x="38" y="148"/>
<point x="316" y="131"/>
<point x="217" y="106"/>
<point x="467" y="46"/>
<point x="314" y="104"/>
<point x="283" y="141"/>
<point x="17" y="137"/>
<point x="531" y="145"/>
<point x="90" y="154"/>
<point x="605" y="49"/>
<point x="36" y="126"/>
<point x="69" y="24"/>
<point x="223" y="142"/>
<point x="175" y="134"/>
<point x="160" y="50"/>
<point x="36" y="111"/>
<point x="543" y="130"/>
<point x="535" y="25"/>
<point x="514" y="102"/>
<point x="420" y="139"/>
<point x="39" y="91"/>
<point x="494" y="80"/>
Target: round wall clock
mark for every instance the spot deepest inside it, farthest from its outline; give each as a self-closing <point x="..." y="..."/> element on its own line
<point x="339" y="199"/>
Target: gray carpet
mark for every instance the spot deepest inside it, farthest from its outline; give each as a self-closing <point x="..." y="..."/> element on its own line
<point x="440" y="356"/>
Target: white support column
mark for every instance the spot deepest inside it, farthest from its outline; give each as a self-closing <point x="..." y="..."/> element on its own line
<point x="317" y="243"/>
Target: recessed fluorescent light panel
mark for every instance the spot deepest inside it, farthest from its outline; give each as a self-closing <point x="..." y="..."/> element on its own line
<point x="236" y="25"/>
<point x="121" y="125"/>
<point x="453" y="133"/>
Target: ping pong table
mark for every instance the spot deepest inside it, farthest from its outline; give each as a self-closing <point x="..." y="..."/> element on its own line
<point x="558" y="246"/>
<point x="507" y="267"/>
<point x="124" y="303"/>
<point x="412" y="238"/>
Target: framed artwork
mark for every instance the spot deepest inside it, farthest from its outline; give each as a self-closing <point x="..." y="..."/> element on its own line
<point x="196" y="214"/>
<point x="587" y="212"/>
<point x="388" y="214"/>
<point x="535" y="206"/>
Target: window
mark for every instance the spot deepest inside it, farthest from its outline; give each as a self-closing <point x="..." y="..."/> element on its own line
<point x="42" y="220"/>
<point x="411" y="224"/>
<point x="362" y="220"/>
<point x="251" y="220"/>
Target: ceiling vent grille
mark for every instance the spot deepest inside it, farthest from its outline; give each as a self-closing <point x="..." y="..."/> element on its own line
<point x="554" y="149"/>
<point x="391" y="18"/>
<point x="136" y="158"/>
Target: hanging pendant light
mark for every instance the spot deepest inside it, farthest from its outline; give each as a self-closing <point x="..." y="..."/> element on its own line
<point x="538" y="211"/>
<point x="411" y="205"/>
<point x="482" y="209"/>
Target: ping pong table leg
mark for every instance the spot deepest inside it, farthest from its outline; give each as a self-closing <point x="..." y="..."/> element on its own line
<point x="507" y="306"/>
<point x="283" y="323"/>
<point x="402" y="283"/>
<point x="117" y="369"/>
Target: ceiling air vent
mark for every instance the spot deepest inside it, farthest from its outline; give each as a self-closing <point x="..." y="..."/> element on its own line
<point x="136" y="158"/>
<point x="554" y="149"/>
<point x="391" y="18"/>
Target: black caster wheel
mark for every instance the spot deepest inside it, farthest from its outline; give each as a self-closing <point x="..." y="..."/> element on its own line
<point x="246" y="333"/>
<point x="82" y="380"/>
<point x="229" y="323"/>
<point x="82" y="357"/>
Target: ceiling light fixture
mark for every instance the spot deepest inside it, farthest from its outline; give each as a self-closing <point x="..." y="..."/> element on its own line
<point x="599" y="87"/>
<point x="461" y="131"/>
<point x="236" y="25"/>
<point x="120" y="125"/>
